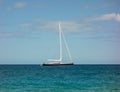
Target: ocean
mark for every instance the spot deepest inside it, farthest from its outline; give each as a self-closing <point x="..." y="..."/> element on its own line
<point x="77" y="78"/>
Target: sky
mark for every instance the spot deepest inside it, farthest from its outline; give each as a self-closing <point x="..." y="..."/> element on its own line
<point x="29" y="31"/>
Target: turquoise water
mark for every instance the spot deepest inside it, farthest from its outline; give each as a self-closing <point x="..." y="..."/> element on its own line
<point x="77" y="78"/>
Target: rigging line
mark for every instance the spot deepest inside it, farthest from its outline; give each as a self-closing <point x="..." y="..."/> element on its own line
<point x="60" y="39"/>
<point x="66" y="45"/>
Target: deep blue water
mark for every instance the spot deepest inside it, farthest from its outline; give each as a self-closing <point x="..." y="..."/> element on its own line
<point x="77" y="78"/>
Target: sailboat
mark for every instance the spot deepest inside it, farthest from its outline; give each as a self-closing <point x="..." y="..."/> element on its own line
<point x="59" y="62"/>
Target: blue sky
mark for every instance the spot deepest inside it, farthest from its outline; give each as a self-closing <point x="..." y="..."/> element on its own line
<point x="29" y="30"/>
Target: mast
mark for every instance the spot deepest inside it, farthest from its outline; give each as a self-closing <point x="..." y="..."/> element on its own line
<point x="60" y="37"/>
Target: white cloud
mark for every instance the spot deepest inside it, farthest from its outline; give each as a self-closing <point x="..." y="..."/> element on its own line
<point x="25" y="24"/>
<point x="112" y="16"/>
<point x="69" y="26"/>
<point x="13" y="34"/>
<point x="16" y="5"/>
<point x="51" y="25"/>
<point x="20" y="5"/>
<point x="7" y="34"/>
